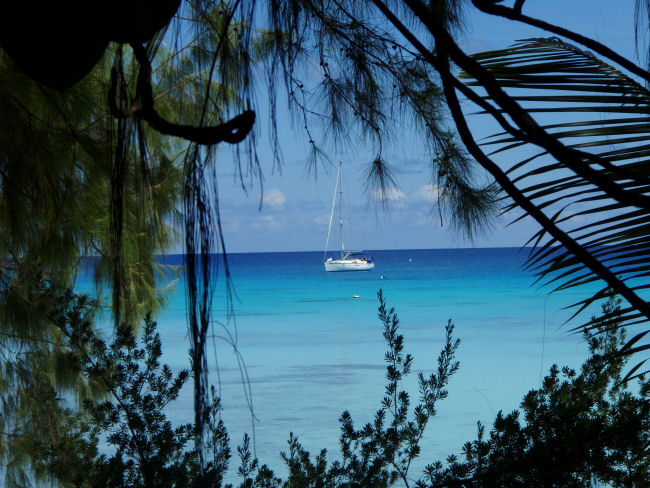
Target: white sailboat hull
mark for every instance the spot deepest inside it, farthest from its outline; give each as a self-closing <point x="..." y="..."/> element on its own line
<point x="350" y="260"/>
<point x="348" y="265"/>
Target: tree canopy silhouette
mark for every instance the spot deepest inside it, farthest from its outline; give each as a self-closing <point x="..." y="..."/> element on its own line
<point x="364" y="68"/>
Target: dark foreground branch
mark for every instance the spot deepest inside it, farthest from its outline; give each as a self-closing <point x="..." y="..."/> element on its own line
<point x="233" y="131"/>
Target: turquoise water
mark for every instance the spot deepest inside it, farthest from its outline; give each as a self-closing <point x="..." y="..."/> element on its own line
<point x="311" y="350"/>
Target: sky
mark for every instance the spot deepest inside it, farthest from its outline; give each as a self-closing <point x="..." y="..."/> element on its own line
<point x="295" y="209"/>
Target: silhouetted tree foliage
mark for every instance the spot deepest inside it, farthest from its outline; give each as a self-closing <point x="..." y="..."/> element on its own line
<point x="578" y="429"/>
<point x="58" y="44"/>
<point x="380" y="453"/>
<point x="93" y="160"/>
<point x="144" y="449"/>
<point x="124" y="439"/>
<point x="581" y="428"/>
<point x="56" y="152"/>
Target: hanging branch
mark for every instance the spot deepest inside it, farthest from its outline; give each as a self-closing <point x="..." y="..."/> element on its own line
<point x="233" y="131"/>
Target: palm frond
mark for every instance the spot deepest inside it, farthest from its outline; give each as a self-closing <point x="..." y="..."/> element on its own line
<point x="592" y="107"/>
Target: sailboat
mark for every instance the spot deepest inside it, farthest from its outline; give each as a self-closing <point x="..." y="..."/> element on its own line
<point x="349" y="260"/>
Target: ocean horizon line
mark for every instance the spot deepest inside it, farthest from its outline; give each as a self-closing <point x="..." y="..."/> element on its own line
<point x="522" y="248"/>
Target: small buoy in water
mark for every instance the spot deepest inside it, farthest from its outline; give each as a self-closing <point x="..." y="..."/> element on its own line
<point x="382" y="277"/>
<point x="410" y="260"/>
<point x="355" y="296"/>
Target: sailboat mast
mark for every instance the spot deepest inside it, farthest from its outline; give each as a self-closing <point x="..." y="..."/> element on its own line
<point x="341" y="204"/>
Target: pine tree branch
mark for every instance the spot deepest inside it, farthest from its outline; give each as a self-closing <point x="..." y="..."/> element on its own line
<point x="578" y="161"/>
<point x="519" y="4"/>
<point x="233" y="131"/>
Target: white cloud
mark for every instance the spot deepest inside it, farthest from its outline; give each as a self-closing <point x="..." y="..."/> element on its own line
<point x="322" y="220"/>
<point x="425" y="194"/>
<point x="391" y="195"/>
<point x="266" y="223"/>
<point x="274" y="198"/>
<point x="392" y="198"/>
